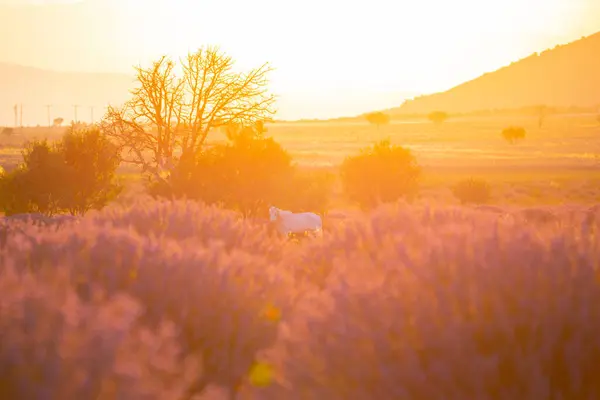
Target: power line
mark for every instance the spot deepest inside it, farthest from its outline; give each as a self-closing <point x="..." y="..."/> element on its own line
<point x="75" y="106"/>
<point x="48" y="106"/>
<point x="44" y="114"/>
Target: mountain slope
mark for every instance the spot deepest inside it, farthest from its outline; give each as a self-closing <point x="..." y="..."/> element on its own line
<point x="568" y="75"/>
<point x="35" y="88"/>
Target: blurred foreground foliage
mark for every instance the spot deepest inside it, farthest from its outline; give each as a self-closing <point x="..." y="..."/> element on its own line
<point x="169" y="299"/>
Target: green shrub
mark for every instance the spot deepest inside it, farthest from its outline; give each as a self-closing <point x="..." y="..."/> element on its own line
<point x="39" y="185"/>
<point x="247" y="174"/>
<point x="472" y="191"/>
<point x="93" y="162"/>
<point x="73" y="175"/>
<point x="381" y="174"/>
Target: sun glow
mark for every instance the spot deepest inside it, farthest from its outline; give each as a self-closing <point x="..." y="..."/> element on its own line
<point x="329" y="56"/>
<point x="423" y="46"/>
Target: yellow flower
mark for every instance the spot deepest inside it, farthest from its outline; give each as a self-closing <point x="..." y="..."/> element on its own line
<point x="272" y="313"/>
<point x="261" y="374"/>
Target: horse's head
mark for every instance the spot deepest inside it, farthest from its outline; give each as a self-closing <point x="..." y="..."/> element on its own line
<point x="273" y="213"/>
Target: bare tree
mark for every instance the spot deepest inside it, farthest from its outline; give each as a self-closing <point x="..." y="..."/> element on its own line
<point x="168" y="118"/>
<point x="144" y="127"/>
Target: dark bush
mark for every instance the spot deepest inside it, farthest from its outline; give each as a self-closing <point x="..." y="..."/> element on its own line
<point x="381" y="174"/>
<point x="472" y="191"/>
<point x="39" y="185"/>
<point x="93" y="161"/>
<point x="247" y="174"/>
<point x="73" y="175"/>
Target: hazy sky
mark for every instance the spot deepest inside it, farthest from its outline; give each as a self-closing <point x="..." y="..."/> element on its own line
<point x="331" y="57"/>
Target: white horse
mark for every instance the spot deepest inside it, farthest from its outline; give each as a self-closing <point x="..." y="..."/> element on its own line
<point x="293" y="223"/>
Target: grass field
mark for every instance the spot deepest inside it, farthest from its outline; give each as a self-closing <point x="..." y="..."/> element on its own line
<point x="558" y="163"/>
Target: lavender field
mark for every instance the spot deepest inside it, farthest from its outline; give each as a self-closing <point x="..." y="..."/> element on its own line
<point x="160" y="300"/>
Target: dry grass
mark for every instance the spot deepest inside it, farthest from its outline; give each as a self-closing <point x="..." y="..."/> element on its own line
<point x="471" y="142"/>
<point x="555" y="164"/>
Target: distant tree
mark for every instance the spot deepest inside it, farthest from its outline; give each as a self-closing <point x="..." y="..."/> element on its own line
<point x="168" y="116"/>
<point x="380" y="174"/>
<point x="57" y="122"/>
<point x="437" y="117"/>
<point x="378" y="118"/>
<point x="472" y="191"/>
<point x="73" y="175"/>
<point x="513" y="133"/>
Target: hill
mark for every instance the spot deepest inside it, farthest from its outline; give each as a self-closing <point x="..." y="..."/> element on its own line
<point x="34" y="88"/>
<point x="565" y="76"/>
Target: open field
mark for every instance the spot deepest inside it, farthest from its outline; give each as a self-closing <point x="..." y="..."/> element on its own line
<point x="559" y="163"/>
<point x="569" y="142"/>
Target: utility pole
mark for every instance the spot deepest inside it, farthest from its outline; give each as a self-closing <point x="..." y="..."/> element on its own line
<point x="15" y="109"/>
<point x="21" y="116"/>
<point x="75" y="106"/>
<point x="48" y="106"/>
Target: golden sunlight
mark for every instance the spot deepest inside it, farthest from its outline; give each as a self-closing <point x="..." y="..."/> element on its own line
<point x="367" y="51"/>
<point x="321" y="199"/>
